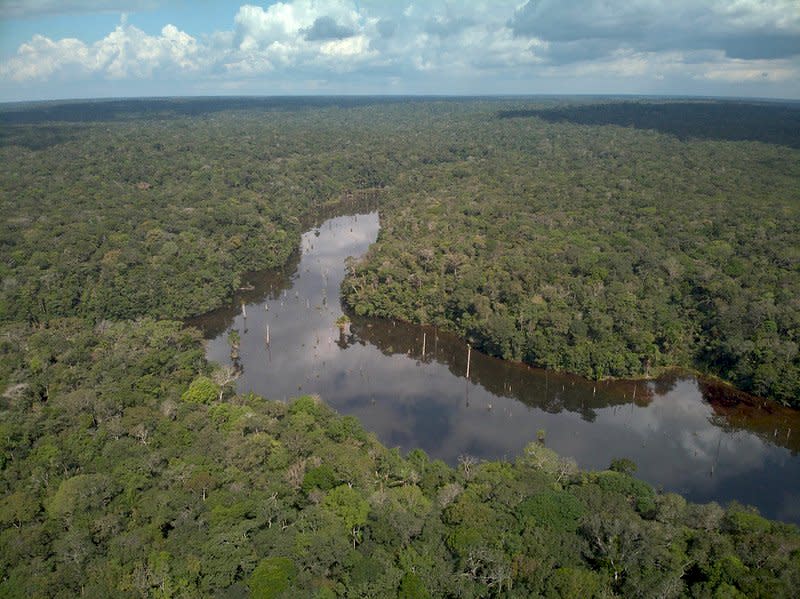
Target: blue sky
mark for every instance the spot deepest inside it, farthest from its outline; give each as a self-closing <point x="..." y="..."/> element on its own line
<point x="53" y="49"/>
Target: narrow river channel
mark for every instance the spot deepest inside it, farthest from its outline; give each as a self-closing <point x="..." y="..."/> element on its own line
<point x="686" y="435"/>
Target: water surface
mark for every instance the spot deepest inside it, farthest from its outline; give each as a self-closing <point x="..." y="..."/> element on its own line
<point x="687" y="435"/>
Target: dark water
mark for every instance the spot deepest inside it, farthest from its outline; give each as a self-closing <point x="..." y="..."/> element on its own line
<point x="687" y="435"/>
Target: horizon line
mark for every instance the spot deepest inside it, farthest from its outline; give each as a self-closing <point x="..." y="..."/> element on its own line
<point x="456" y="96"/>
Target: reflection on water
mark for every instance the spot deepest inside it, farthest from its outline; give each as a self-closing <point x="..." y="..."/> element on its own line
<point x="691" y="436"/>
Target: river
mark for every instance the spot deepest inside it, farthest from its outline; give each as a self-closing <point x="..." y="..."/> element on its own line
<point x="687" y="435"/>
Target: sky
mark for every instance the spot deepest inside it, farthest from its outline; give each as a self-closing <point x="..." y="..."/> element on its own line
<point x="55" y="49"/>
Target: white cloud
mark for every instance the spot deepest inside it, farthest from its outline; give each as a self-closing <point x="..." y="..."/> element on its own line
<point x="125" y="52"/>
<point x="285" y="21"/>
<point x="41" y="57"/>
<point x="644" y="45"/>
<point x="130" y="52"/>
<point x="742" y="28"/>
<point x="265" y="40"/>
<point x="351" y="46"/>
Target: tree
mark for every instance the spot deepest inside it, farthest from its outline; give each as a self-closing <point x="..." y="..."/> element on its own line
<point x="223" y="377"/>
<point x="79" y="494"/>
<point x="351" y="509"/>
<point x="623" y="465"/>
<point x="411" y="587"/>
<point x="202" y="390"/>
<point x="271" y="577"/>
<point x="615" y="542"/>
<point x="18" y="507"/>
<point x="234" y="340"/>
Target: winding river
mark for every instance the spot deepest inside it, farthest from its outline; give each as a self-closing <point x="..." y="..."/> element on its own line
<point x="408" y="385"/>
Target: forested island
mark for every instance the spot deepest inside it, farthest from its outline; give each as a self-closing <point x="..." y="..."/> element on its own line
<point x="601" y="237"/>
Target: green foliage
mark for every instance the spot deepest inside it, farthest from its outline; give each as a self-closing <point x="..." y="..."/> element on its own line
<point x="203" y="505"/>
<point x="347" y="427"/>
<point x="540" y="458"/>
<point x="18" y="507"/>
<point x="552" y="237"/>
<point x="348" y="505"/>
<point x="322" y="478"/>
<point x="601" y="250"/>
<point x="398" y="515"/>
<point x="623" y="465"/>
<point x="604" y="251"/>
<point x="638" y="492"/>
<point x="76" y="495"/>
<point x="571" y="582"/>
<point x="740" y="520"/>
<point x="307" y="404"/>
<point x="160" y="217"/>
<point x="226" y="415"/>
<point x="271" y="577"/>
<point x="202" y="390"/>
<point x="234" y="339"/>
<point x="555" y="509"/>
<point x="411" y="587"/>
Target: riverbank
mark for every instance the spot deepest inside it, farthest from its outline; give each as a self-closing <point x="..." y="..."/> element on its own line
<point x="408" y="385"/>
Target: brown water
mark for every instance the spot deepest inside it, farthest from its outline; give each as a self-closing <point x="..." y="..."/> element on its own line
<point x="687" y="435"/>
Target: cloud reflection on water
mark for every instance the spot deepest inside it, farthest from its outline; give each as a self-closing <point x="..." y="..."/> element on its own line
<point x="408" y="400"/>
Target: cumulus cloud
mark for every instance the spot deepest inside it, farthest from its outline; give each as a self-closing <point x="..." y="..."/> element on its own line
<point x="350" y="46"/>
<point x="304" y="35"/>
<point x="444" y="27"/>
<point x="386" y="27"/>
<point x="126" y="52"/>
<point x="294" y="21"/>
<point x="427" y="46"/>
<point x="583" y="29"/>
<point x="41" y="57"/>
<point x="326" y="28"/>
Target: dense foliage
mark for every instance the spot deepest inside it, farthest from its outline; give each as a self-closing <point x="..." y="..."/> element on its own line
<point x="611" y="239"/>
<point x="600" y="250"/>
<point x="117" y="483"/>
<point x="771" y="122"/>
<point x="159" y="217"/>
<point x="131" y="469"/>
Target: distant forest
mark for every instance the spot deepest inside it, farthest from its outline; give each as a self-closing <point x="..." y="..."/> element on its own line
<point x="605" y="239"/>
<point x="610" y="238"/>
